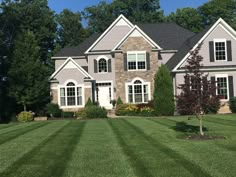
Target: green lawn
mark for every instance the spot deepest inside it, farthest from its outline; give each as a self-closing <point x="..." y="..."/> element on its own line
<point x="118" y="147"/>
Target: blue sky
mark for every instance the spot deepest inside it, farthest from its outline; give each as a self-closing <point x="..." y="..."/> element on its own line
<point x="78" y="5"/>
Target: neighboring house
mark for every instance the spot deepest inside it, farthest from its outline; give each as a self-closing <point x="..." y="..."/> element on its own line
<point x="123" y="60"/>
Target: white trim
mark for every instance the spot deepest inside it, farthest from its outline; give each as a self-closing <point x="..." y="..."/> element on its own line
<point x="226" y="54"/>
<point x="136" y="55"/>
<point x="132" y="84"/>
<point x="208" y="69"/>
<point x="146" y="37"/>
<point x="229" y="29"/>
<point x="65" y="87"/>
<point x="227" y="80"/>
<point x="169" y="51"/>
<point x="98" y="59"/>
<point x="108" y="29"/>
<point x="112" y="88"/>
<point x="76" y="64"/>
<point x="62" y="58"/>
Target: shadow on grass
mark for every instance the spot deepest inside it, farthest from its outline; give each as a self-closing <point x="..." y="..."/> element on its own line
<point x="185" y="128"/>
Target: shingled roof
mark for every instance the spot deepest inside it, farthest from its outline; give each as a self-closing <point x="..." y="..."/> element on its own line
<point x="78" y="50"/>
<point x="185" y="48"/>
<point x="169" y="36"/>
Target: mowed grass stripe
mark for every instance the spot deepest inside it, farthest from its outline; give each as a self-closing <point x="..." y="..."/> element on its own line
<point x="49" y="159"/>
<point x="12" y="151"/>
<point x="15" y="128"/>
<point x="191" y="167"/>
<point x="135" y="160"/>
<point x="19" y="132"/>
<point x="4" y="126"/>
<point x="98" y="154"/>
<point x="194" y="151"/>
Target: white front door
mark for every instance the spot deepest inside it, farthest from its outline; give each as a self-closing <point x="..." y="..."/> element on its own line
<point x="104" y="96"/>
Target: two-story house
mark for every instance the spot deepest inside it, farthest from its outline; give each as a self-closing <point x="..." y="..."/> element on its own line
<point x="123" y="60"/>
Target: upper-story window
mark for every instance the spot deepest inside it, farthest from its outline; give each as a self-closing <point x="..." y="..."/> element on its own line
<point x="102" y="65"/>
<point x="220" y="49"/>
<point x="71" y="95"/>
<point x="136" y="60"/>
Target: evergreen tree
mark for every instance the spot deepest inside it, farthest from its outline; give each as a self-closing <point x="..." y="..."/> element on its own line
<point x="197" y="92"/>
<point x="163" y="92"/>
<point x="27" y="74"/>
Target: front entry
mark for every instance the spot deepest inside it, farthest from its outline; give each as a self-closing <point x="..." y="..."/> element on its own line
<point x="104" y="94"/>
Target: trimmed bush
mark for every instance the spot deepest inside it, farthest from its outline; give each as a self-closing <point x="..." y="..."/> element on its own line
<point x="134" y="110"/>
<point x="53" y="110"/>
<point x="119" y="101"/>
<point x="232" y="105"/>
<point x="25" y="116"/>
<point x="89" y="103"/>
<point x="68" y="114"/>
<point x="92" y="112"/>
<point x="163" y="92"/>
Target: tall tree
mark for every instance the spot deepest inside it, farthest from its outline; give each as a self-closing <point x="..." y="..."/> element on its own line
<point x="197" y="93"/>
<point x="102" y="15"/>
<point x="28" y="74"/>
<point x="70" y="29"/>
<point x="214" y="9"/>
<point x="188" y="18"/>
<point x="163" y="92"/>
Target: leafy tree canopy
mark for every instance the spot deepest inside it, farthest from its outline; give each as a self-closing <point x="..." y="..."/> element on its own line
<point x="71" y="31"/>
<point x="215" y="9"/>
<point x="102" y="15"/>
<point x="28" y="74"/>
<point x="188" y="18"/>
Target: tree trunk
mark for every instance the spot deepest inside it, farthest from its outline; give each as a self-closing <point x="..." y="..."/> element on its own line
<point x="200" y="126"/>
<point x="25" y="107"/>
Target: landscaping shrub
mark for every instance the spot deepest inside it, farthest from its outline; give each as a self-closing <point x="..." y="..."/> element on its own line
<point x="232" y="105"/>
<point x="25" y="116"/>
<point x="68" y="114"/>
<point x="92" y="112"/>
<point x="213" y="106"/>
<point x="163" y="92"/>
<point x="119" y="101"/>
<point x="143" y="105"/>
<point x="89" y="103"/>
<point x="146" y="112"/>
<point x="53" y="110"/>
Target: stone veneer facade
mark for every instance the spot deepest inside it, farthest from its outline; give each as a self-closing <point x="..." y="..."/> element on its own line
<point x="122" y="76"/>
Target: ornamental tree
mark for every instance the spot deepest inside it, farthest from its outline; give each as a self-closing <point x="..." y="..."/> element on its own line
<point x="163" y="92"/>
<point x="198" y="94"/>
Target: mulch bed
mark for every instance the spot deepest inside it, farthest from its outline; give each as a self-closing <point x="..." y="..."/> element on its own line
<point x="205" y="137"/>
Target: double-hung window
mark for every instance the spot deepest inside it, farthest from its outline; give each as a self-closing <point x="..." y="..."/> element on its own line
<point x="220" y="50"/>
<point x="71" y="95"/>
<point x="136" y="60"/>
<point x="138" y="92"/>
<point x="222" y="86"/>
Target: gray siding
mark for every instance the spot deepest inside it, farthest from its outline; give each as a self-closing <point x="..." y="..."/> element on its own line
<point x="165" y="57"/>
<point x="67" y="74"/>
<point x="218" y="33"/>
<point x="81" y="62"/>
<point x="179" y="79"/>
<point x="112" y="38"/>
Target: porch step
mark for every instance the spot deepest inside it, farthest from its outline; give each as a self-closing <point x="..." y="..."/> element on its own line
<point x="111" y="113"/>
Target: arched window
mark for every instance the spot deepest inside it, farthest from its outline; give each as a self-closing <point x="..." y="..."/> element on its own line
<point x="138" y="92"/>
<point x="102" y="65"/>
<point x="70" y="95"/>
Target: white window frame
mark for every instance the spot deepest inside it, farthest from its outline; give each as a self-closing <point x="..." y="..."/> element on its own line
<point x="99" y="58"/>
<point x="132" y="84"/>
<point x="136" y="53"/>
<point x="76" y="96"/>
<point x="220" y="40"/>
<point x="227" y="80"/>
